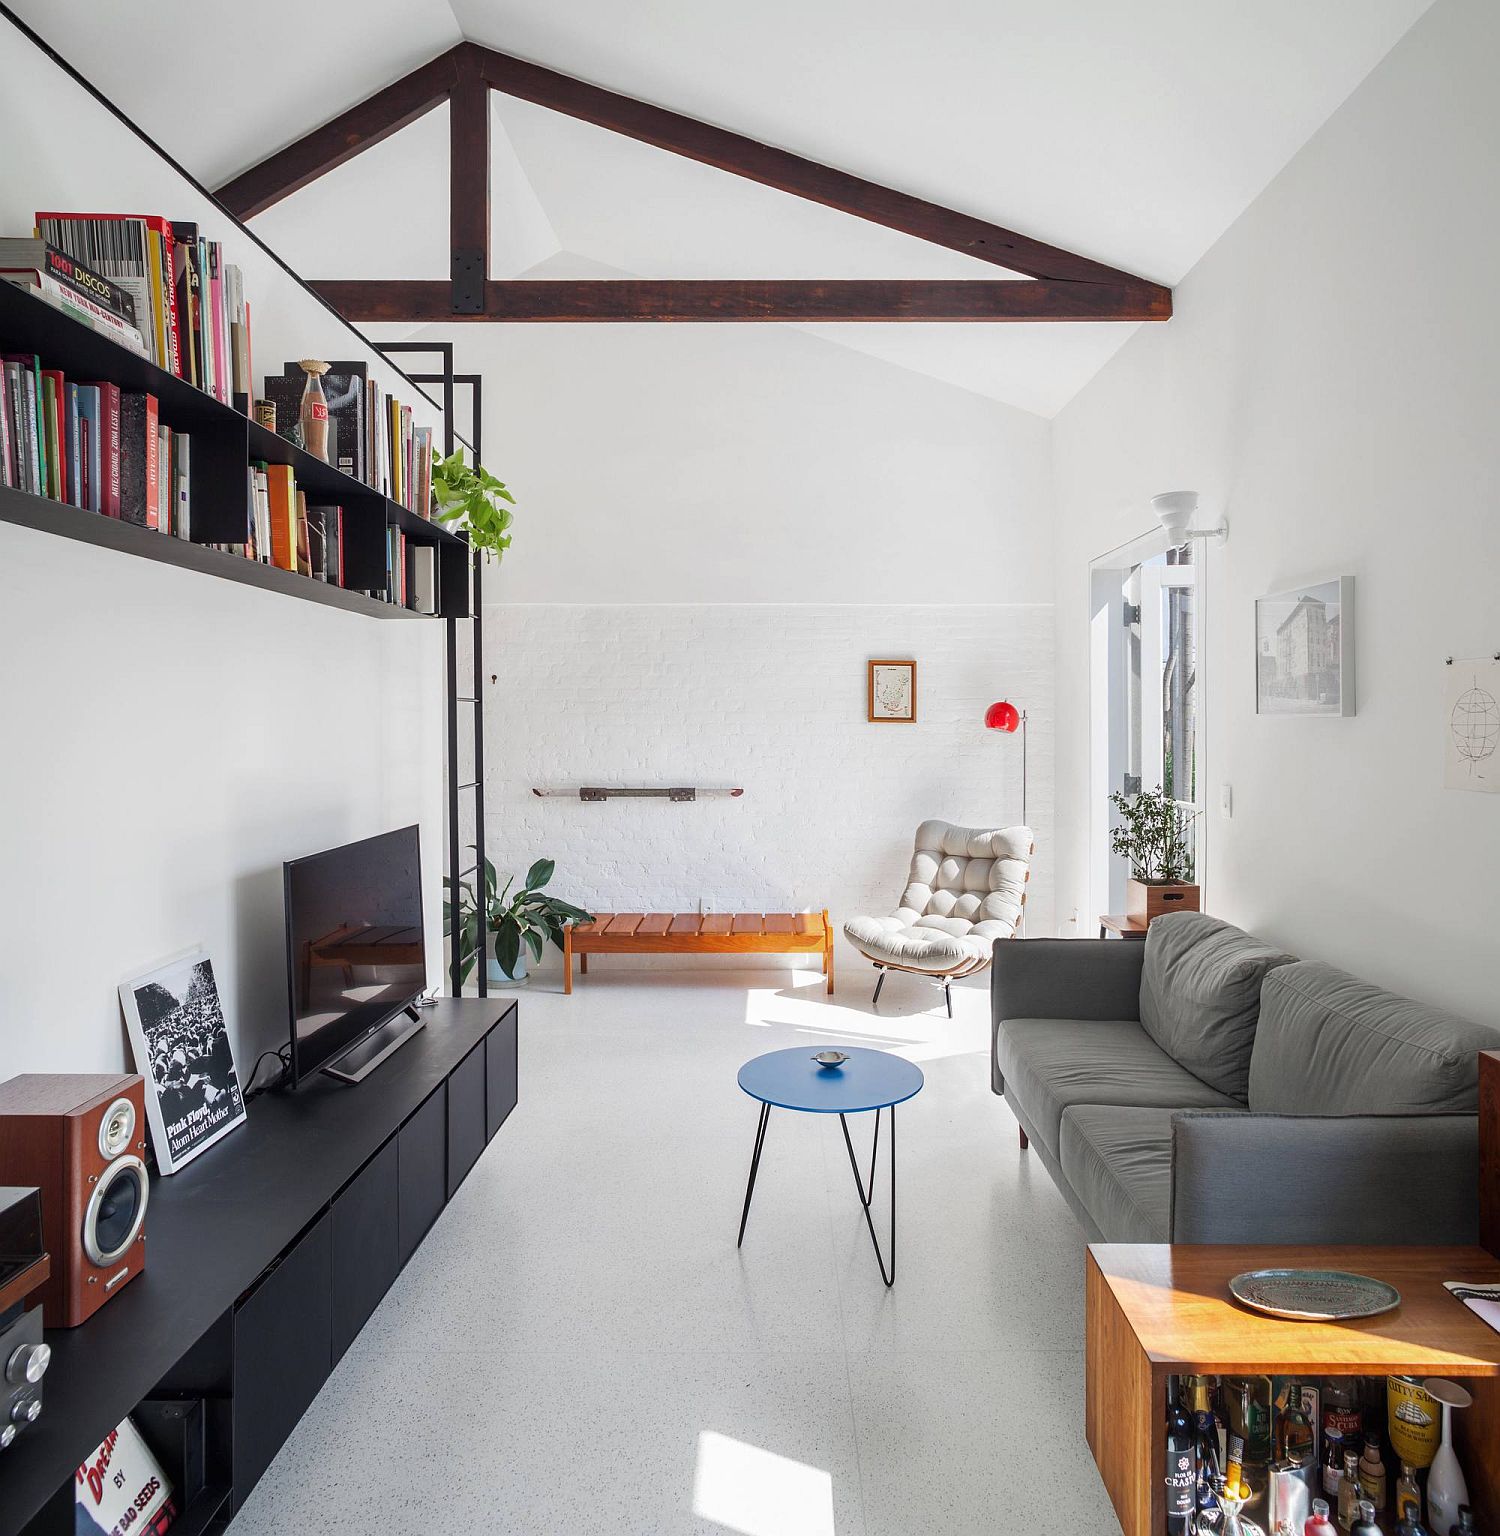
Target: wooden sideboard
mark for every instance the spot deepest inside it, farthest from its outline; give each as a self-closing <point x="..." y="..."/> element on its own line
<point x="1157" y="1310"/>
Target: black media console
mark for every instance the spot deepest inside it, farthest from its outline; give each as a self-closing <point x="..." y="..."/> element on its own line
<point x="265" y="1258"/>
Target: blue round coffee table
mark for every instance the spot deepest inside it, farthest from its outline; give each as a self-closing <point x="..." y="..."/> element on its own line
<point x="866" y="1080"/>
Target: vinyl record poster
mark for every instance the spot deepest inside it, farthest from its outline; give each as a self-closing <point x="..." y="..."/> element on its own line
<point x="121" y="1488"/>
<point x="182" y="1051"/>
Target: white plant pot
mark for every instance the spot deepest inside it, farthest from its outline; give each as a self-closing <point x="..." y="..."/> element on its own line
<point x="496" y="973"/>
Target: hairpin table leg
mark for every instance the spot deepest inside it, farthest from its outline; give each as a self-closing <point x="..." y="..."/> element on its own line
<point x="760" y="1141"/>
<point x="864" y="1199"/>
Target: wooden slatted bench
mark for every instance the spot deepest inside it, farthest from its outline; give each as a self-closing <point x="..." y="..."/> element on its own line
<point x="693" y="933"/>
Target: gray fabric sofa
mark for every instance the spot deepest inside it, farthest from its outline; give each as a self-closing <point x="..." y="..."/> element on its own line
<point x="1201" y="1087"/>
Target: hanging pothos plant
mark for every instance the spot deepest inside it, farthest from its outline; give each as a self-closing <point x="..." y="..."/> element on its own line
<point x="475" y="499"/>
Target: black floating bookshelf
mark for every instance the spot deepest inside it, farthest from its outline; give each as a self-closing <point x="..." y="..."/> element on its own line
<point x="224" y="443"/>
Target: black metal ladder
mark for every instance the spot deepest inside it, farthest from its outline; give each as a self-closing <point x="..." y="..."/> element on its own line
<point x="457" y="785"/>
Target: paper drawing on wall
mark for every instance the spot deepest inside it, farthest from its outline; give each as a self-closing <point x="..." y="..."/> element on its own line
<point x="1304" y="650"/>
<point x="1471" y="725"/>
<point x="182" y="1050"/>
<point x="891" y="691"/>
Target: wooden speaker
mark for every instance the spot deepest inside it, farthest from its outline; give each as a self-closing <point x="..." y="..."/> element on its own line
<point x="80" y="1139"/>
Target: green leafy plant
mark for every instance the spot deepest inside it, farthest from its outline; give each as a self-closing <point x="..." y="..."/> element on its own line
<point x="523" y="916"/>
<point x="1154" y="834"/>
<point x="475" y="499"/>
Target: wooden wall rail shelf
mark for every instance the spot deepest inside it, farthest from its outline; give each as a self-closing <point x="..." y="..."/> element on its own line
<point x="1156" y="1310"/>
<point x="593" y="794"/>
<point x="699" y="933"/>
<point x="267" y="1256"/>
<point x="224" y="443"/>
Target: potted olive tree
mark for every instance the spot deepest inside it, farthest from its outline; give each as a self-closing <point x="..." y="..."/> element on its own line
<point x="504" y="924"/>
<point x="1155" y="834"/>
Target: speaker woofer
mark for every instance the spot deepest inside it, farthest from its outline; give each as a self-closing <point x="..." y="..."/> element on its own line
<point x="116" y="1211"/>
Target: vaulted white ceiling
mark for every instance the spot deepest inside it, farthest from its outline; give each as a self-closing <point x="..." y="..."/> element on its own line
<point x="1133" y="133"/>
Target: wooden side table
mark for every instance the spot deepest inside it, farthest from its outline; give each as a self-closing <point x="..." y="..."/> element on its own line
<point x="1128" y="925"/>
<point x="1157" y="1310"/>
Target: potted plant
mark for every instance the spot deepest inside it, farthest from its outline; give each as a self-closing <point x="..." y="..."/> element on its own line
<point x="477" y="498"/>
<point x="1155" y="834"/>
<point x="504" y="924"/>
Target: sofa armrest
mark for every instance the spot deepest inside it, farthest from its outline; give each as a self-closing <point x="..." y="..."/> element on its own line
<point x="1062" y="979"/>
<point x="1067" y="979"/>
<point x="1381" y="1179"/>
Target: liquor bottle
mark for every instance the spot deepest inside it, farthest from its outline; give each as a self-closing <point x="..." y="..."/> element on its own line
<point x="1181" y="1464"/>
<point x="1349" y="1487"/>
<point x="313" y="418"/>
<point x="1333" y="1464"/>
<point x="1465" y="1525"/>
<point x="1411" y="1421"/>
<point x="1364" y="1519"/>
<point x="1295" y="1435"/>
<point x="1341" y="1408"/>
<point x="1412" y="1528"/>
<point x="1372" y="1478"/>
<point x="1206" y="1455"/>
<point x="1318" y="1523"/>
<point x="1408" y="1495"/>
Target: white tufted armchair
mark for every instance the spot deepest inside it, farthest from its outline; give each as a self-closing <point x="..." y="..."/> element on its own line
<point x="966" y="889"/>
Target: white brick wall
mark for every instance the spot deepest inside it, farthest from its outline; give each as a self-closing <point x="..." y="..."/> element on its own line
<point x="770" y="697"/>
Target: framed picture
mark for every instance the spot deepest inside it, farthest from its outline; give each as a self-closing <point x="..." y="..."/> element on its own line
<point x="1471" y="719"/>
<point x="891" y="691"/>
<point x="1304" y="650"/>
<point x="182" y="1050"/>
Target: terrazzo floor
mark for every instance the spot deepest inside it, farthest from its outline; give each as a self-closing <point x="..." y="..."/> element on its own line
<point x="579" y="1348"/>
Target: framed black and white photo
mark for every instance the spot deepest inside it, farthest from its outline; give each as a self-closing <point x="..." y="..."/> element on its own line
<point x="1304" y="650"/>
<point x="182" y="1050"/>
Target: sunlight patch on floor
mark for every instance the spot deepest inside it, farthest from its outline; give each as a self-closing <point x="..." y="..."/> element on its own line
<point x="909" y="1031"/>
<point x="758" y="1493"/>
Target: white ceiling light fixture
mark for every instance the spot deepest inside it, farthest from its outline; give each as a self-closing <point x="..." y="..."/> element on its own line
<point x="1176" y="510"/>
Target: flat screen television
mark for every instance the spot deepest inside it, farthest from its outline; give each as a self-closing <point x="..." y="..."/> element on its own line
<point x="356" y="954"/>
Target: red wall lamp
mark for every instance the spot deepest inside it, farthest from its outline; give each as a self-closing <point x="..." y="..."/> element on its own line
<point x="1004" y="716"/>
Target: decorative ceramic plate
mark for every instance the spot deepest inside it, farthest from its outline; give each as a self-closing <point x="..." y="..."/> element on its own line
<point x="1313" y="1295"/>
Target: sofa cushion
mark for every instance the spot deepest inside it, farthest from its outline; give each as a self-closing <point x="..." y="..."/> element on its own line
<point x="1119" y="1163"/>
<point x="1200" y="995"/>
<point x="1050" y="1064"/>
<point x="1329" y="1044"/>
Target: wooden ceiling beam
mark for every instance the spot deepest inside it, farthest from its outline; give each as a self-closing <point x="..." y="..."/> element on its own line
<point x="676" y="299"/>
<point x="791" y="173"/>
<point x="468" y="185"/>
<point x="363" y="126"/>
<point x="1066" y="286"/>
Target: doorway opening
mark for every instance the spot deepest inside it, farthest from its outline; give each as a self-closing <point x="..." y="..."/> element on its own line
<point x="1147" y="703"/>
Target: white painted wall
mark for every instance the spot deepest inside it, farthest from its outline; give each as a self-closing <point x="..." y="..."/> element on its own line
<point x="1328" y="382"/>
<point x="770" y="698"/>
<point x="752" y="463"/>
<point x="718" y="526"/>
<point x="168" y="739"/>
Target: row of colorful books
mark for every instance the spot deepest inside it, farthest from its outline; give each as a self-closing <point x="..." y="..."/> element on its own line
<point x="186" y="302"/>
<point x="53" y="276"/>
<point x="371" y="435"/>
<point x="283" y="529"/>
<point x="410" y="573"/>
<point x="93" y="445"/>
